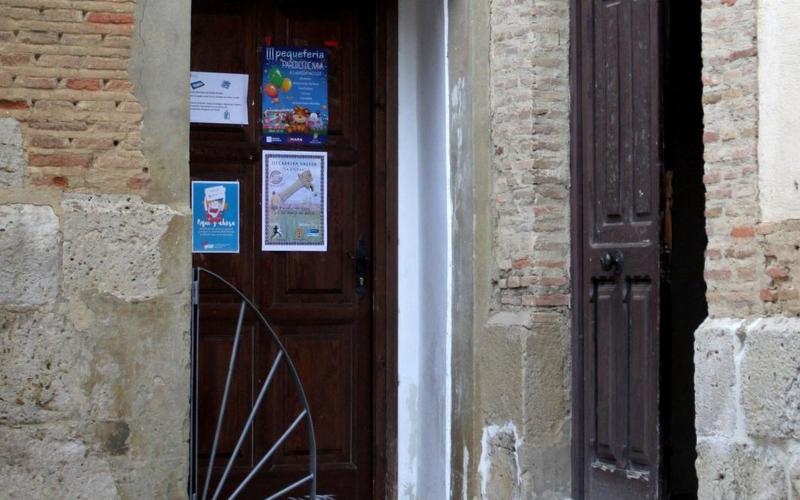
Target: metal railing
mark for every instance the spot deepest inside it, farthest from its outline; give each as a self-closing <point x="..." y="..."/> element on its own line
<point x="281" y="360"/>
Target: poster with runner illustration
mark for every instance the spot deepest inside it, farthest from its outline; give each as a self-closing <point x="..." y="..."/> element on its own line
<point x="294" y="201"/>
<point x="294" y="95"/>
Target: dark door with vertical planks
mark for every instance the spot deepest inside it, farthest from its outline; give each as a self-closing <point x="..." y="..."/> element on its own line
<point x="310" y="298"/>
<point x="618" y="167"/>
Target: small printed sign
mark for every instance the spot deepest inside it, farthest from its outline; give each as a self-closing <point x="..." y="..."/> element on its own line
<point x="218" y="98"/>
<point x="215" y="217"/>
<point x="294" y="95"/>
<point x="294" y="200"/>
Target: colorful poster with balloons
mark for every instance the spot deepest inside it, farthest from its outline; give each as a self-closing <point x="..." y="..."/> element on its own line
<point x="294" y="95"/>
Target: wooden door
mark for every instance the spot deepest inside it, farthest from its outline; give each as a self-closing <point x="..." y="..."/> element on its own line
<point x="330" y="330"/>
<point x="617" y="271"/>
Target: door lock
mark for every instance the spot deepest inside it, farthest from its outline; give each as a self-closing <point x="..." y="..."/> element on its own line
<point x="612" y="260"/>
<point x="362" y="267"/>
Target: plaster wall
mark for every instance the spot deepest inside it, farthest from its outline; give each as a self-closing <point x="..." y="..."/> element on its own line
<point x="423" y="254"/>
<point x="93" y="230"/>
<point x="779" y="100"/>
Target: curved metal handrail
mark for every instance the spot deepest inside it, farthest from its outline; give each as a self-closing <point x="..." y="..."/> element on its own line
<point x="282" y="356"/>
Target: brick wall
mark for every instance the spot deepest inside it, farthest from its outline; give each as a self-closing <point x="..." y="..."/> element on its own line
<point x="734" y="261"/>
<point x="64" y="77"/>
<point x="528" y="329"/>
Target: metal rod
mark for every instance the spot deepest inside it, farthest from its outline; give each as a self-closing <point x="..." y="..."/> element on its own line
<point x="225" y="393"/>
<point x="268" y="455"/>
<point x="249" y="422"/>
<point x="292" y="486"/>
<point x="194" y="346"/>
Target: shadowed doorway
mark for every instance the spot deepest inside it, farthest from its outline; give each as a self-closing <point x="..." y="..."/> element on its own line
<point x="683" y="290"/>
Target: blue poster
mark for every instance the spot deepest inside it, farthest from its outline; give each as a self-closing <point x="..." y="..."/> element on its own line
<point x="294" y="95"/>
<point x="215" y="217"/>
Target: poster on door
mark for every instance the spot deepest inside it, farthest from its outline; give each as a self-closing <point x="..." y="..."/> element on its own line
<point x="215" y="217"/>
<point x="294" y="95"/>
<point x="294" y="201"/>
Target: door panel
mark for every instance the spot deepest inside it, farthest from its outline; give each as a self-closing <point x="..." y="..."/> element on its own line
<point x="619" y="259"/>
<point x="308" y="297"/>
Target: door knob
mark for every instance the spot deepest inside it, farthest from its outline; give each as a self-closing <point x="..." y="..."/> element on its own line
<point x="611" y="260"/>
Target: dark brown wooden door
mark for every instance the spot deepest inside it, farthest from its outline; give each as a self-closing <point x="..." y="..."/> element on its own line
<point x="310" y="298"/>
<point x="619" y="166"/>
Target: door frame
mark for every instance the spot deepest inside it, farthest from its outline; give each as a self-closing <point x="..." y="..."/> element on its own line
<point x="385" y="220"/>
<point x="576" y="247"/>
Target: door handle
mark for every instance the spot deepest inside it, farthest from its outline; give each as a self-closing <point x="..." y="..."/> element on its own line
<point x="362" y="267"/>
<point x="612" y="260"/>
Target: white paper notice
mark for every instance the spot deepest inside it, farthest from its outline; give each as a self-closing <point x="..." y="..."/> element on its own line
<point x="218" y="98"/>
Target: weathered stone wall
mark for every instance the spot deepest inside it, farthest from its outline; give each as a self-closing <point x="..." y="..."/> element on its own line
<point x="747" y="354"/>
<point x="94" y="249"/>
<point x="522" y="354"/>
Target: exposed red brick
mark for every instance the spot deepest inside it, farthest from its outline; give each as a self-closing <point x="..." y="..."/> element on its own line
<point x="743" y="232"/>
<point x="59" y="160"/>
<point x="36" y="83"/>
<point x="46" y="141"/>
<point x="119" y="86"/>
<point x="557" y="264"/>
<point x="740" y="54"/>
<point x="521" y="263"/>
<point x="139" y="182"/>
<point x="50" y="180"/>
<point x="767" y="295"/>
<point x="777" y="272"/>
<point x="717" y="274"/>
<point x="15" y="59"/>
<point x="559" y="281"/>
<point x="13" y="104"/>
<point x="555" y="299"/>
<point x="58" y="125"/>
<point x="84" y="84"/>
<point x="92" y="143"/>
<point x="109" y="18"/>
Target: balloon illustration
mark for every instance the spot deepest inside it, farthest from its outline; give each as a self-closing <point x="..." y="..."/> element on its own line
<point x="275" y="83"/>
<point x="275" y="76"/>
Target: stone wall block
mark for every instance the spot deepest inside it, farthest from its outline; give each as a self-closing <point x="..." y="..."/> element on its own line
<point x="727" y="471"/>
<point x="547" y="402"/>
<point x="111" y="244"/>
<point x="501" y="351"/>
<point x="771" y="378"/>
<point x="43" y="367"/>
<point x="29" y="243"/>
<point x="715" y="377"/>
<point x="40" y="463"/>
<point x="12" y="161"/>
